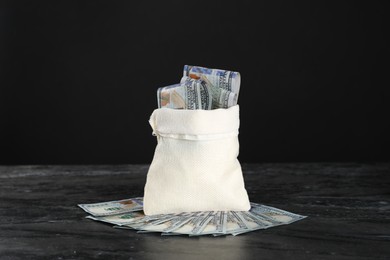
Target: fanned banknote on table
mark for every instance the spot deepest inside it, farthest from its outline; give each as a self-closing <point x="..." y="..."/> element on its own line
<point x="113" y="207"/>
<point x="201" y="88"/>
<point x="128" y="214"/>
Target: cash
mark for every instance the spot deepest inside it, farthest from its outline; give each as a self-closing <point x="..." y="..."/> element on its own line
<point x="113" y="207"/>
<point x="224" y="79"/>
<point x="120" y="219"/>
<point x="215" y="223"/>
<point x="201" y="88"/>
<point x="191" y="94"/>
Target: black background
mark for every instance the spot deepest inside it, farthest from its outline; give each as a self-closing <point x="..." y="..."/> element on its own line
<point x="78" y="79"/>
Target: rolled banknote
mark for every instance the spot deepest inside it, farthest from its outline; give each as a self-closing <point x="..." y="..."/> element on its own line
<point x="201" y="88"/>
<point x="191" y="94"/>
<point x="220" y="98"/>
<point x="224" y="79"/>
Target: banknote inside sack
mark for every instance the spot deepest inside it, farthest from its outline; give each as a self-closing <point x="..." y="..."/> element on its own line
<point x="201" y="88"/>
<point x="128" y="214"/>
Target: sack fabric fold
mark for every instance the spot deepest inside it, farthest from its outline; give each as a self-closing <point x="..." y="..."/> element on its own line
<point x="195" y="165"/>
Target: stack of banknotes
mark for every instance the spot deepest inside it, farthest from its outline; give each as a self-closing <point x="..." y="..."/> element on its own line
<point x="128" y="214"/>
<point x="201" y="88"/>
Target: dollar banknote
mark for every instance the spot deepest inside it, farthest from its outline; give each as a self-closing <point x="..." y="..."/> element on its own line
<point x="252" y="223"/>
<point x="214" y="226"/>
<point x="201" y="88"/>
<point x="201" y="223"/>
<point x="220" y="98"/>
<point x="235" y="223"/>
<point x="186" y="228"/>
<point x="191" y="94"/>
<point x="223" y="79"/>
<point x="128" y="214"/>
<point x="166" y="225"/>
<point x="120" y="219"/>
<point x="139" y="224"/>
<point x="274" y="215"/>
<point x="113" y="207"/>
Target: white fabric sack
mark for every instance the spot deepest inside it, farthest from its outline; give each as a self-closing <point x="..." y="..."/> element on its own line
<point x="195" y="165"/>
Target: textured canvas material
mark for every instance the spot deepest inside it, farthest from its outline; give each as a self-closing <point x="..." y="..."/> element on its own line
<point x="195" y="165"/>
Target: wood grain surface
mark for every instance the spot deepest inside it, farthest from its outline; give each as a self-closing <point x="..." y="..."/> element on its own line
<point x="347" y="204"/>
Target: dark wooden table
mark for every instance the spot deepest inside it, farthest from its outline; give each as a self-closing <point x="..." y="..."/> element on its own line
<point x="348" y="209"/>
